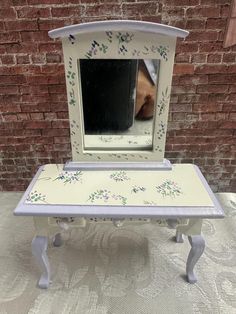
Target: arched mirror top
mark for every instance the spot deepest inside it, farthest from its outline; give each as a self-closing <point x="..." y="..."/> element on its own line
<point x="118" y="25"/>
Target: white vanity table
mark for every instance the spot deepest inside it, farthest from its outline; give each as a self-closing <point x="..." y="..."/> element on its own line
<point x="118" y="171"/>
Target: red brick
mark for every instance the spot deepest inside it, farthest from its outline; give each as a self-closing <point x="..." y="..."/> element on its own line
<point x="23" y="47"/>
<point x="9" y="117"/>
<point x="194" y="98"/>
<point x="209" y="69"/>
<point x="12" y="80"/>
<point x="195" y="24"/>
<point x="207" y="107"/>
<point x="48" y="2"/>
<point x="32" y="12"/>
<point x="21" y="25"/>
<point x="49" y="47"/>
<point x="50" y="116"/>
<point x="214" y="58"/>
<point x="225" y="10"/>
<point x="62" y="115"/>
<point x="229" y="57"/>
<point x="175" y="11"/>
<point x="185" y="89"/>
<point x="156" y="19"/>
<point x="39" y="36"/>
<point x="22" y="59"/>
<point x="199" y="12"/>
<point x="216" y="23"/>
<point x="9" y="90"/>
<point x="212" y="88"/>
<point x="56" y="132"/>
<point x="182" y="58"/>
<point x="53" y="58"/>
<point x="37" y="116"/>
<point x="60" y="124"/>
<point x="67" y="11"/>
<point x="9" y="37"/>
<point x="193" y="79"/>
<point x="7" y="59"/>
<point x="220" y="78"/>
<point x="183" y="69"/>
<point x="37" y="124"/>
<point x="227" y="125"/>
<point x="23" y="116"/>
<point x="7" y="14"/>
<point x="55" y="89"/>
<point x="18" y="2"/>
<point x="38" y="59"/>
<point x="132" y="9"/>
<point x="198" y="58"/>
<point x="202" y="36"/>
<point x="50" y="24"/>
<point x="12" y="108"/>
<point x="61" y="140"/>
<point x="212" y="47"/>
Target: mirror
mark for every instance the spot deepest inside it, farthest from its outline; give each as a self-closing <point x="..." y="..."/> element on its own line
<point x="118" y="98"/>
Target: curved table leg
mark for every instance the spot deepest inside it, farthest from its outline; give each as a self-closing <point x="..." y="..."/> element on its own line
<point x="39" y="250"/>
<point x="57" y="241"/>
<point x="197" y="247"/>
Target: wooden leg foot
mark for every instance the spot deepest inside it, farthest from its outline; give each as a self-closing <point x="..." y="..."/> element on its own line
<point x="39" y="250"/>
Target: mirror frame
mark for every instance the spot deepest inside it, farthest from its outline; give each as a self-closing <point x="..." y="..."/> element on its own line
<point x="118" y="40"/>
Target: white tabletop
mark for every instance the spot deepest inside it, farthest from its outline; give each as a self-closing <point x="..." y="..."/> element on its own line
<point x="180" y="192"/>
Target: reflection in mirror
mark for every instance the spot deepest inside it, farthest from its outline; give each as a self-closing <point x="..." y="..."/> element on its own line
<point x="118" y="99"/>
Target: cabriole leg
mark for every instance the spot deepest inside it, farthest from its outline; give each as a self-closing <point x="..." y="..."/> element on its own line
<point x="197" y="247"/>
<point x="39" y="250"/>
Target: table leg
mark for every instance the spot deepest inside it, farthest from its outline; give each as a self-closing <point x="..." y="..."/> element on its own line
<point x="57" y="240"/>
<point x="197" y="247"/>
<point x="179" y="237"/>
<point x="39" y="250"/>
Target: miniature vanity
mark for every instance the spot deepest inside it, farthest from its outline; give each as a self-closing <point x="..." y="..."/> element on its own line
<point x="118" y="77"/>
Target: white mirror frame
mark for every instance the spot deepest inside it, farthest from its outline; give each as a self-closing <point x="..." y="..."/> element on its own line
<point x="118" y="40"/>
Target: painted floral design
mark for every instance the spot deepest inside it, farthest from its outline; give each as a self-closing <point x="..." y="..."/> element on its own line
<point x="106" y="195"/>
<point x="76" y="146"/>
<point x="169" y="188"/>
<point x="95" y="48"/>
<point x="71" y="39"/>
<point x="69" y="176"/>
<point x="164" y="101"/>
<point x="136" y="189"/>
<point x="162" y="51"/>
<point x="119" y="176"/>
<point x="109" y="139"/>
<point x="74" y="126"/>
<point x="109" y="36"/>
<point x="72" y="100"/>
<point x="151" y="203"/>
<point x="161" y="130"/>
<point x="35" y="197"/>
<point x="71" y="77"/>
<point x="123" y="38"/>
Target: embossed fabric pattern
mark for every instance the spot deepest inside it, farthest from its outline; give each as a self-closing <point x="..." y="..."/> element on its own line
<point x="134" y="269"/>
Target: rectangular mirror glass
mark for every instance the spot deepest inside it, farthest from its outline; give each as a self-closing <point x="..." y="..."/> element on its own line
<point x="118" y="98"/>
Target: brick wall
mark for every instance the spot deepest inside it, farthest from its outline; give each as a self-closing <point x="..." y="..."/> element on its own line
<point x="33" y="110"/>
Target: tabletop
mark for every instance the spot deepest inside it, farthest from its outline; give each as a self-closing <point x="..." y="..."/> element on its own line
<point x="180" y="192"/>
